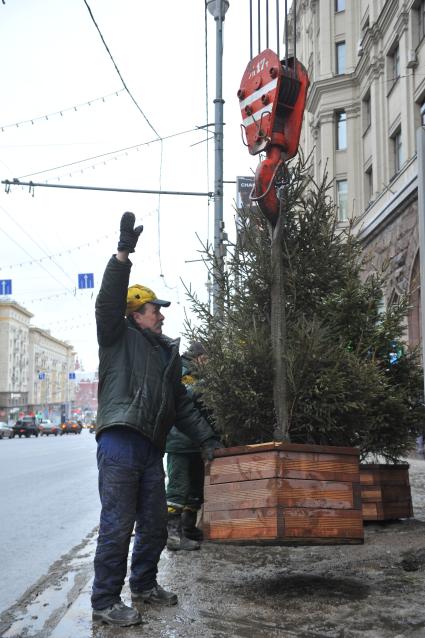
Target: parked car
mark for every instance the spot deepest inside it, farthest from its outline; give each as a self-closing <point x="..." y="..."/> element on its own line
<point x="25" y="427"/>
<point x="48" y="427"/>
<point x="6" y="431"/>
<point x="71" y="427"/>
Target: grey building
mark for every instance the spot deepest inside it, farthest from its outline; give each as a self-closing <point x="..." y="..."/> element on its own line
<point x="366" y="63"/>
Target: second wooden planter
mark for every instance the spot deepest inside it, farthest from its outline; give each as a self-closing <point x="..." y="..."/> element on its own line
<point x="284" y="493"/>
<point x="385" y="491"/>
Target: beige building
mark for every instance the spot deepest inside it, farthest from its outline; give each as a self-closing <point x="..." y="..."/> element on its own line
<point x="51" y="362"/>
<point x="366" y="63"/>
<point x="34" y="366"/>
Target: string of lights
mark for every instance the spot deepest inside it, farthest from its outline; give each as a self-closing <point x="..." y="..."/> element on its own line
<point x="66" y="251"/>
<point x="31" y="262"/>
<point x="69" y="109"/>
<point x="116" y="153"/>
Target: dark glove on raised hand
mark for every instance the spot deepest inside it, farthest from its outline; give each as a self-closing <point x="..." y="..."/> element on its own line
<point x="208" y="447"/>
<point x="128" y="234"/>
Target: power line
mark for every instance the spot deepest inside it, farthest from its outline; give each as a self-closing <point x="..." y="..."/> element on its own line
<point x="29" y="254"/>
<point x="35" y="242"/>
<point x="118" y="71"/>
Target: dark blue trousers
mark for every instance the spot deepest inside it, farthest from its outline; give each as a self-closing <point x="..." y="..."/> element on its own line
<point x="132" y="492"/>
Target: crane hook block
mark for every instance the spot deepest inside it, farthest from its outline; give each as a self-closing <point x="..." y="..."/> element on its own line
<point x="272" y="99"/>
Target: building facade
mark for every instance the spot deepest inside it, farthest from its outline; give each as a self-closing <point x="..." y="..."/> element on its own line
<point x="366" y="63"/>
<point x="35" y="367"/>
<point x="14" y="359"/>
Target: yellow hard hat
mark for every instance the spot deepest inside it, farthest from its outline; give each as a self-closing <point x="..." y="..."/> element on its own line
<point x="138" y="295"/>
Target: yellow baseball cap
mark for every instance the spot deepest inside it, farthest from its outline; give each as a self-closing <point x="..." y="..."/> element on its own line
<point x="138" y="295"/>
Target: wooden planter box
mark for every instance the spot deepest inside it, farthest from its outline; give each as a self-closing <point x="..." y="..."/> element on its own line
<point x="385" y="492"/>
<point x="283" y="493"/>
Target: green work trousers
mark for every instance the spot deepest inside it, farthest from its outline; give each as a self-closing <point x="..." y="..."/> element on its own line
<point x="185" y="486"/>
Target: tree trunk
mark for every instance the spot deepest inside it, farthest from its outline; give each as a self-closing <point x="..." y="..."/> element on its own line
<point x="278" y="336"/>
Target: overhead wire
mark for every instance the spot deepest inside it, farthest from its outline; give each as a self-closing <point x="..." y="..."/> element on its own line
<point x="102" y="155"/>
<point x="29" y="254"/>
<point x="118" y="71"/>
<point x="36" y="243"/>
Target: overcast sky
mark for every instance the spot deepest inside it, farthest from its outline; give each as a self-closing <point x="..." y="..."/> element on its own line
<point x="53" y="60"/>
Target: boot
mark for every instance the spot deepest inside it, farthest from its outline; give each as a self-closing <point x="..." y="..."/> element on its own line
<point x="189" y="525"/>
<point x="118" y="614"/>
<point x="176" y="541"/>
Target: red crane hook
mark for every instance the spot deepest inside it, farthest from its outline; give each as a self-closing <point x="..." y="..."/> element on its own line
<point x="272" y="99"/>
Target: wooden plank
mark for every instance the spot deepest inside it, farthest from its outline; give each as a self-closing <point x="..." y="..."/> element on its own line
<point x="258" y="523"/>
<point x="322" y="467"/>
<point x="284" y="464"/>
<point x="395" y="493"/>
<point x="322" y="523"/>
<point x="274" y="445"/>
<point x="245" y="468"/>
<point x="281" y="492"/>
<point x="371" y="494"/>
<point x="261" y="523"/>
<point x="393" y="511"/>
<point x="369" y="511"/>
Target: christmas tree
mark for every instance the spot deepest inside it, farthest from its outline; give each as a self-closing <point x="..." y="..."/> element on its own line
<point x="350" y="380"/>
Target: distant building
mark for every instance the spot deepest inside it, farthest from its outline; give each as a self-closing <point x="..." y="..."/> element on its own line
<point x="85" y="401"/>
<point x="34" y="366"/>
<point x="366" y="63"/>
<point x="14" y="359"/>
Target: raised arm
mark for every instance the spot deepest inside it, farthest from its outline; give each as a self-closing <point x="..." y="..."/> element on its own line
<point x="112" y="298"/>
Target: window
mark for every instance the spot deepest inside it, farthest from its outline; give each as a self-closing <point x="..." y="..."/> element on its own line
<point x="395" y="63"/>
<point x="339" y="5"/>
<point x="340" y="58"/>
<point x="366" y="112"/>
<point x="341" y="199"/>
<point x="368" y="185"/>
<point x="421" y="21"/>
<point x="341" y="131"/>
<point x="397" y="151"/>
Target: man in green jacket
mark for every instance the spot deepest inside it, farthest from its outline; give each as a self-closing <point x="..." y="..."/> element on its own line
<point x="185" y="466"/>
<point x="140" y="397"/>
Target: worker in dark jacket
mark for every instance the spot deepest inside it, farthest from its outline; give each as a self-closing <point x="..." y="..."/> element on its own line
<point x="140" y="397"/>
<point x="185" y="466"/>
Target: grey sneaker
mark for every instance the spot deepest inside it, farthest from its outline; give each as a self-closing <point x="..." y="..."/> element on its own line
<point x="177" y="543"/>
<point x="118" y="614"/>
<point x="156" y="596"/>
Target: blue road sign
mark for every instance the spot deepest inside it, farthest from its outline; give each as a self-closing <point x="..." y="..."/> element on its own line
<point x="41" y="375"/>
<point x="5" y="286"/>
<point x="71" y="375"/>
<point x="85" y="280"/>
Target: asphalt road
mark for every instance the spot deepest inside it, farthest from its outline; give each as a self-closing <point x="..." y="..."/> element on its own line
<point x="48" y="504"/>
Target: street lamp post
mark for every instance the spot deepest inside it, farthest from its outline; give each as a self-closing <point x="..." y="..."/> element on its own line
<point x="218" y="9"/>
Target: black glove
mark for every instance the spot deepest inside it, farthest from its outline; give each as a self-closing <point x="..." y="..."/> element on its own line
<point x="208" y="447"/>
<point x="128" y="234"/>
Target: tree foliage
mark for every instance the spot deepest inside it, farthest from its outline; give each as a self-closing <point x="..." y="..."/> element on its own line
<point x="344" y="386"/>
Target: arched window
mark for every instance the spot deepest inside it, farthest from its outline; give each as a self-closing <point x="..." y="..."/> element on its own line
<point x="414" y="316"/>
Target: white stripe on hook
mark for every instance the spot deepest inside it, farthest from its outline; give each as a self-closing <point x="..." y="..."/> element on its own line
<point x="248" y="121"/>
<point x="257" y="94"/>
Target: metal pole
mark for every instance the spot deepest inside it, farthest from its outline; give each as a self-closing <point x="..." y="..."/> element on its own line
<point x="420" y="145"/>
<point x="218" y="153"/>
